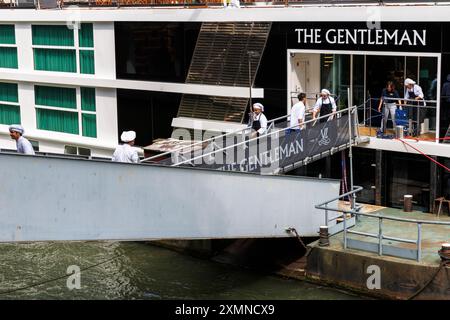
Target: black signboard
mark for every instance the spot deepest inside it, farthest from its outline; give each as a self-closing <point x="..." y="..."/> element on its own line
<point x="362" y="36"/>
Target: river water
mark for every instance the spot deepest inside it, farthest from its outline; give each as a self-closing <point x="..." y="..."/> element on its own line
<point x="132" y="270"/>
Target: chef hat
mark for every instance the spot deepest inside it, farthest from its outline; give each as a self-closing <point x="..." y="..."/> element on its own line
<point x="16" y="128"/>
<point x="258" y="106"/>
<point x="128" y="136"/>
<point x="325" y="91"/>
<point x="409" y="81"/>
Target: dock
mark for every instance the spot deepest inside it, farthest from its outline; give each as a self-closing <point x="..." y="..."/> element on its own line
<point x="400" y="278"/>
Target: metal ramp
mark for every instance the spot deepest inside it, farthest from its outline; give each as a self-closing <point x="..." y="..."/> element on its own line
<point x="51" y="198"/>
<point x="226" y="54"/>
<point x="275" y="152"/>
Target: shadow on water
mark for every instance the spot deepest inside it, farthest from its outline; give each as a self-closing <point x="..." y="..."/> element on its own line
<point x="136" y="270"/>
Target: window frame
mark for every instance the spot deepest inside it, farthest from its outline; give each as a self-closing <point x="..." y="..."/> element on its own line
<point x="78" y="109"/>
<point x="75" y="47"/>
<point x="10" y="45"/>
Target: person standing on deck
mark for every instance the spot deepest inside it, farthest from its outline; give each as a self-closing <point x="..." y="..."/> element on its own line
<point x="325" y="105"/>
<point x="297" y="117"/>
<point x="389" y="104"/>
<point x="23" y="145"/>
<point x="414" y="92"/>
<point x="126" y="152"/>
<point x="258" y="120"/>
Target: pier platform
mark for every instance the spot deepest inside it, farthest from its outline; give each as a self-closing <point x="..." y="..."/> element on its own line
<point x="399" y="278"/>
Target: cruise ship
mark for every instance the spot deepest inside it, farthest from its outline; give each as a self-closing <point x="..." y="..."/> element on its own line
<point x="77" y="74"/>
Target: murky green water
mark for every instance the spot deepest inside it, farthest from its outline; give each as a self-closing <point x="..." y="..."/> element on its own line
<point x="129" y="270"/>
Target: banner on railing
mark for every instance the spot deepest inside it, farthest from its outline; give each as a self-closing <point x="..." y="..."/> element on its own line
<point x="269" y="153"/>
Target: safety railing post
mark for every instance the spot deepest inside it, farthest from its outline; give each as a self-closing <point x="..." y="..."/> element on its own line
<point x="345" y="231"/>
<point x="380" y="236"/>
<point x="419" y="241"/>
<point x="370" y="117"/>
<point x="326" y="214"/>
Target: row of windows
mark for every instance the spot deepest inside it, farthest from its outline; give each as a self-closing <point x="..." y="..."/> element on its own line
<point x="57" y="108"/>
<point x="54" y="48"/>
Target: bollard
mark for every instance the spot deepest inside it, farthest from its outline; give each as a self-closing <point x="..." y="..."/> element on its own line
<point x="324" y="240"/>
<point x="444" y="253"/>
<point x="407" y="203"/>
<point x="399" y="133"/>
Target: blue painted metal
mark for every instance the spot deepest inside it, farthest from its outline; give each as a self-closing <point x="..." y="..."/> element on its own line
<point x="387" y="250"/>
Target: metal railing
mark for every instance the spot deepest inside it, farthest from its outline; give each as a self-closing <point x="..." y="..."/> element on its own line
<point x="417" y="111"/>
<point x="271" y="133"/>
<point x="189" y="147"/>
<point x="379" y="247"/>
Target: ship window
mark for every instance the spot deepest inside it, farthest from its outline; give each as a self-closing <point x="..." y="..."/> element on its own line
<point x="56" y="120"/>
<point x="9" y="106"/>
<point x="86" y="35"/>
<point x="87" y="61"/>
<point x="59" y="35"/>
<point x="77" y="151"/>
<point x="56" y="48"/>
<point x="56" y="97"/>
<point x="8" y="50"/>
<point x="35" y="145"/>
<point x="55" y="60"/>
<point x="59" y="109"/>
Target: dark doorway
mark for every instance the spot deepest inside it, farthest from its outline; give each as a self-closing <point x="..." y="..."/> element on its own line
<point x="379" y="70"/>
<point x="364" y="170"/>
<point x="148" y="113"/>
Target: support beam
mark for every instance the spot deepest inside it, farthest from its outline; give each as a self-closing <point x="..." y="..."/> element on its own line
<point x="379" y="177"/>
<point x="435" y="183"/>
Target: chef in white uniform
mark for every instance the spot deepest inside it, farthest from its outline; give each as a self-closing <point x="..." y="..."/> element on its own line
<point x="23" y="145"/>
<point x="258" y="120"/>
<point x="325" y="105"/>
<point x="126" y="152"/>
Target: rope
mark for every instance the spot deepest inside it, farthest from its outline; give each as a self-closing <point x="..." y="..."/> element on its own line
<point x="425" y="155"/>
<point x="293" y="230"/>
<point x="441" y="266"/>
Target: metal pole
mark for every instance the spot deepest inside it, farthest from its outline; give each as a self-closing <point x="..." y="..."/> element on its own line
<point x="380" y="236"/>
<point x="370" y="116"/>
<point x="419" y="241"/>
<point x="250" y="79"/>
<point x="326" y="214"/>
<point x="345" y="231"/>
<point x="350" y="151"/>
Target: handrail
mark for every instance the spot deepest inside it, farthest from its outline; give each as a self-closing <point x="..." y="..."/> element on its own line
<point x="262" y="136"/>
<point x="272" y="121"/>
<point x="380" y="236"/>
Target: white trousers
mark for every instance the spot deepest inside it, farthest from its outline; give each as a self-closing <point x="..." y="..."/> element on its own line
<point x="388" y="108"/>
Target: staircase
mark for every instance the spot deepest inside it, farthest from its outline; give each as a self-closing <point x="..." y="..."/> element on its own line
<point x="226" y="54"/>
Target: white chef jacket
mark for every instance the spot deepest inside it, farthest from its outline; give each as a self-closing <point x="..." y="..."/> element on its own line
<point x="24" y="146"/>
<point x="417" y="91"/>
<point x="297" y="113"/>
<point x="125" y="153"/>
<point x="319" y="102"/>
<point x="262" y="121"/>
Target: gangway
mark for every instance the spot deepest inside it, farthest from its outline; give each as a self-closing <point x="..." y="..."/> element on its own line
<point x="279" y="150"/>
<point x="56" y="198"/>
